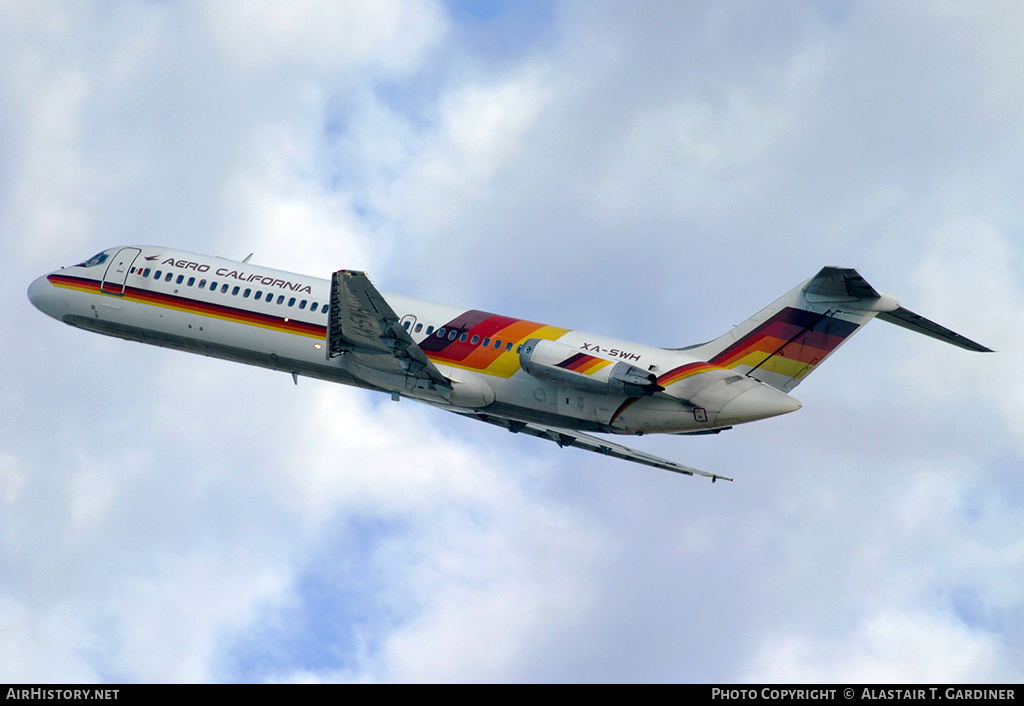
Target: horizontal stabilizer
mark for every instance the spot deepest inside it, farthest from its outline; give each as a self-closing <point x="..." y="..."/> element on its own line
<point x="915" y="322"/>
<point x="786" y="341"/>
<point x="839" y="284"/>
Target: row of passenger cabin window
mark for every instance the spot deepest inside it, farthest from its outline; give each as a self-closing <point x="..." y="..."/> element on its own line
<point x="452" y="334"/>
<point x="191" y="282"/>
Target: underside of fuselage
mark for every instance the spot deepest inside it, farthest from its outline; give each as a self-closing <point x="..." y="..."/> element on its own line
<point x="335" y="374"/>
<point x="271" y="361"/>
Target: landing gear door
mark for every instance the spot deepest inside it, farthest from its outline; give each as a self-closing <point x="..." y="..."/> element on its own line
<point x="117" y="271"/>
<point x="580" y="405"/>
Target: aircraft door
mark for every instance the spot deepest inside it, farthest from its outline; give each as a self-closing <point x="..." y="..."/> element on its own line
<point x="117" y="271"/>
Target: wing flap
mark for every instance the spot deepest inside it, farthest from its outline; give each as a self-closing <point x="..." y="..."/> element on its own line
<point x="569" y="437"/>
<point x="362" y="323"/>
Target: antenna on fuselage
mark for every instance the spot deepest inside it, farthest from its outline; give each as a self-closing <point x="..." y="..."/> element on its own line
<point x="247" y="258"/>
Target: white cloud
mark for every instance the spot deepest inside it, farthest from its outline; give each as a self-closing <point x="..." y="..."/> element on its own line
<point x="903" y="648"/>
<point x="968" y="276"/>
<point x="169" y="623"/>
<point x="288" y="219"/>
<point x="480" y="128"/>
<point x="326" y="35"/>
<point x="42" y="646"/>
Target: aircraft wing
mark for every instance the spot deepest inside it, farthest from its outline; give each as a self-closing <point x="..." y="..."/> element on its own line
<point x="568" y="437"/>
<point x="362" y="323"/>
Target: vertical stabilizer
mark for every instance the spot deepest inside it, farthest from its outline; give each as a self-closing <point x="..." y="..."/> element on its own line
<point x="784" y="342"/>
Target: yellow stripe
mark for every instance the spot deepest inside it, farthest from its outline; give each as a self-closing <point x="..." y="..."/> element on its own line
<point x="280" y="328"/>
<point x="593" y="366"/>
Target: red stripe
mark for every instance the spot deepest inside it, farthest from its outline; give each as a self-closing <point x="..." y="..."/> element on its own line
<point x="243" y="316"/>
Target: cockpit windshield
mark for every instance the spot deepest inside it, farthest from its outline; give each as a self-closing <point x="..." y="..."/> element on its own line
<point x="97" y="259"/>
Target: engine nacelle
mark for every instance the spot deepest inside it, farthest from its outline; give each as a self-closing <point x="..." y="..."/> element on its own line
<point x="560" y="364"/>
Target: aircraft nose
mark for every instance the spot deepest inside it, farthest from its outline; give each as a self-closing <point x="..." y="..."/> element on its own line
<point x="758" y="402"/>
<point x="45" y="297"/>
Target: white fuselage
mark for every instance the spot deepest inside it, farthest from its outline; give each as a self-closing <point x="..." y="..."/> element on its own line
<point x="278" y="320"/>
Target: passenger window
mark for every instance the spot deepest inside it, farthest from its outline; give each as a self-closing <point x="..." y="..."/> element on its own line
<point x="158" y="274"/>
<point x="291" y="302"/>
<point x="405" y="324"/>
<point x="181" y="278"/>
<point x="312" y="307"/>
<point x="213" y="286"/>
<point x="302" y="304"/>
<point x="476" y="340"/>
<point x="419" y="327"/>
<point x="246" y="293"/>
<point x="145" y="272"/>
<point x="440" y="332"/>
<point x="324" y="310"/>
<point x="259" y="295"/>
<point x="191" y="281"/>
<point x="452" y="334"/>
<point x="280" y="299"/>
<point x="430" y="330"/>
<point x="497" y="344"/>
<point x="519" y="348"/>
<point x="463" y="337"/>
<point x="508" y="346"/>
<point x="224" y="288"/>
<point x="168" y="277"/>
<point x="202" y="284"/>
<point x="234" y="292"/>
<point x="487" y="342"/>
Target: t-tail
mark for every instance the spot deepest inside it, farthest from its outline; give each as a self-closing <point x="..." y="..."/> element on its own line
<point x="784" y="342"/>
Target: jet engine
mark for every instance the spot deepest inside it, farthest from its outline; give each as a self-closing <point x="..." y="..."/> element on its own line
<point x="564" y="365"/>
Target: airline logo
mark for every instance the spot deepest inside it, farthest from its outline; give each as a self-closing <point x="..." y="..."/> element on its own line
<point x="467" y="349"/>
<point x="790" y="343"/>
<point x="584" y="364"/>
<point x="238" y="275"/>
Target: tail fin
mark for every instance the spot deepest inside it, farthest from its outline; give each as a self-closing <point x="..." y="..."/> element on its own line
<point x="785" y="341"/>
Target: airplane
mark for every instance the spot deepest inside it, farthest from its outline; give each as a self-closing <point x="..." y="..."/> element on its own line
<point x="553" y="383"/>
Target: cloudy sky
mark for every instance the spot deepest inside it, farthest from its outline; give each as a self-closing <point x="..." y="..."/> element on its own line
<point x="654" y="171"/>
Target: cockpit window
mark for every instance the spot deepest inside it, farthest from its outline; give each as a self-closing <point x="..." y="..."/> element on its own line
<point x="97" y="259"/>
